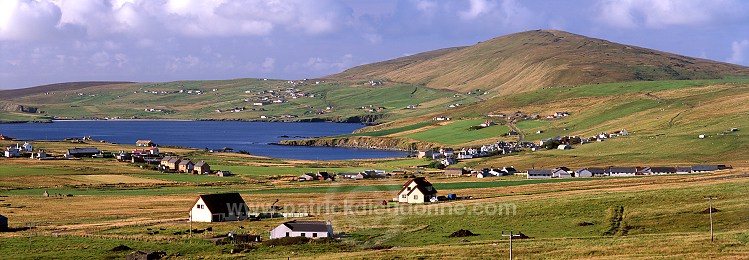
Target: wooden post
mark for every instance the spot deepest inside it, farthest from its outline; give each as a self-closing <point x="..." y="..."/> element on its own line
<point x="510" y="234"/>
<point x="710" y="210"/>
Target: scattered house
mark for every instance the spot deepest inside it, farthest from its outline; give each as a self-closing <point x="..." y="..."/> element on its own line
<point x="622" y="171"/>
<point x="660" y="170"/>
<point x="218" y="208"/>
<point x="508" y="170"/>
<point x="170" y="163"/>
<point x="312" y="229"/>
<point x="564" y="147"/>
<point x="453" y="172"/>
<point x="704" y="168"/>
<point x="41" y="155"/>
<point x="417" y="190"/>
<point x="202" y="168"/>
<point x="447" y="152"/>
<point x="145" y="143"/>
<point x="425" y="154"/>
<point x="447" y="161"/>
<point x="222" y="173"/>
<point x="307" y="177"/>
<point x="483" y="174"/>
<point x="185" y="166"/>
<point x="539" y="174"/>
<point x="3" y="223"/>
<point x="82" y="152"/>
<point x="590" y="172"/>
<point x="683" y="170"/>
<point x="5" y="137"/>
<point x="12" y="152"/>
<point x="351" y="175"/>
<point x="154" y="150"/>
<point x="487" y="123"/>
<point x="560" y="173"/>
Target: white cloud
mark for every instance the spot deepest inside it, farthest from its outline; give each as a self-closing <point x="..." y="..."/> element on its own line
<point x="268" y="65"/>
<point x="476" y="8"/>
<point x="28" y="19"/>
<point x="738" y="52"/>
<point x="664" y="13"/>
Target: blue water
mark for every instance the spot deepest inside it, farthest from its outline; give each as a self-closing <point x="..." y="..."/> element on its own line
<point x="254" y="137"/>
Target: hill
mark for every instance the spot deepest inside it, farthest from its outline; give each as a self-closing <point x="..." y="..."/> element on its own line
<point x="537" y="59"/>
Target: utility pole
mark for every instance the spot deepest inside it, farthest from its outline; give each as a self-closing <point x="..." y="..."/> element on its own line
<point x="510" y="234"/>
<point x="711" y="216"/>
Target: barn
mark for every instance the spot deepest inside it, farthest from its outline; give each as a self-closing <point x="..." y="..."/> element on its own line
<point x="218" y="208"/>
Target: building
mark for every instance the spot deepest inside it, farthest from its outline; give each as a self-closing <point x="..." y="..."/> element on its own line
<point x="590" y="172"/>
<point x="453" y="172"/>
<point x="417" y="190"/>
<point x="223" y="173"/>
<point x="144" y="143"/>
<point x="12" y="152"/>
<point x="3" y="223"/>
<point x="170" y="163"/>
<point x="185" y="166"/>
<point x="660" y="170"/>
<point x="539" y="174"/>
<point x="704" y="168"/>
<point x="82" y="152"/>
<point x="622" y="171"/>
<point x="311" y="229"/>
<point x="219" y="207"/>
<point x="202" y="168"/>
<point x="560" y="173"/>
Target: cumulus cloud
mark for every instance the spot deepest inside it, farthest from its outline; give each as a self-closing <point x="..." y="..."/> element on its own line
<point x="28" y="19"/>
<point x="663" y="13"/>
<point x="738" y="52"/>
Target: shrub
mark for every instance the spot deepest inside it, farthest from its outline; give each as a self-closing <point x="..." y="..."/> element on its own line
<point x="287" y="241"/>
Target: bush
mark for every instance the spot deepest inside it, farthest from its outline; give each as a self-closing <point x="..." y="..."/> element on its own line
<point x="287" y="241"/>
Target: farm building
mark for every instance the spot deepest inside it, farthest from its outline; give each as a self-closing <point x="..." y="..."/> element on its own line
<point x="622" y="171"/>
<point x="313" y="229"/>
<point x="82" y="152"/>
<point x="660" y="170"/>
<point x="704" y="168"/>
<point x="144" y="143"/>
<point x="417" y="190"/>
<point x="3" y="223"/>
<point x="170" y="163"/>
<point x="453" y="172"/>
<point x="590" y="172"/>
<point x="223" y="173"/>
<point x="219" y="207"/>
<point x="539" y="174"/>
<point x="560" y="173"/>
<point x="202" y="168"/>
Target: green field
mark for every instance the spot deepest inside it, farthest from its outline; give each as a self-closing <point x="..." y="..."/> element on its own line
<point x="458" y="132"/>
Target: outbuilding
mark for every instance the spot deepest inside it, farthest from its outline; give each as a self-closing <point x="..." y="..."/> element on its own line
<point x="218" y="208"/>
<point x="311" y="229"/>
<point x="3" y="223"/>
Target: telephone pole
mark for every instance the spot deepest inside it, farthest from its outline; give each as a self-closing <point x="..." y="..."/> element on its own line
<point x="510" y="234"/>
<point x="710" y="210"/>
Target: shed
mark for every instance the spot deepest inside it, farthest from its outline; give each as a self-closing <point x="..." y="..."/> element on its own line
<point x="219" y="207"/>
<point x="3" y="223"/>
<point x="82" y="152"/>
<point x="312" y="229"/>
<point x="539" y="174"/>
<point x="144" y="143"/>
<point x="453" y="172"/>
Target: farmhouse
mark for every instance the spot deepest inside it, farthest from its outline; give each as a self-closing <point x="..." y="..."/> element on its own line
<point x="590" y="172"/>
<point x="219" y="207"/>
<point x="223" y="173"/>
<point x="453" y="172"/>
<point x="186" y="166"/>
<point x="82" y="152"/>
<point x="202" y="168"/>
<point x="313" y="229"/>
<point x="12" y="152"/>
<point x="622" y="171"/>
<point x="560" y="173"/>
<point x="170" y="163"/>
<point x="539" y="174"/>
<point x="144" y="143"/>
<point x="417" y="190"/>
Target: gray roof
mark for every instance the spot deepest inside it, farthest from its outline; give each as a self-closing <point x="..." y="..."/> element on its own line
<point x="90" y="150"/>
<point x="185" y="162"/>
<point x="592" y="170"/>
<point x="662" y="169"/>
<point x="623" y="169"/>
<point x="307" y="226"/>
<point x="539" y="172"/>
<point x="684" y="169"/>
<point x="704" y="168"/>
<point x="200" y="164"/>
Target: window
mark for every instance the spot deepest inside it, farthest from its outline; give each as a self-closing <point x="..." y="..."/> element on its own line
<point x="404" y="196"/>
<point x="416" y="197"/>
<point x="201" y="206"/>
<point x="304" y="235"/>
<point x="314" y="234"/>
<point x="287" y="234"/>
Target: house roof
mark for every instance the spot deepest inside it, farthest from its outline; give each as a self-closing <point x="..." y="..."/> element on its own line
<point x="704" y="168"/>
<point x="201" y="164"/>
<point x="83" y="150"/>
<point x="684" y="169"/>
<point x="422" y="185"/>
<point x="592" y="170"/>
<point x="539" y="172"/>
<point x="174" y="160"/>
<point x="185" y="162"/>
<point x="143" y="141"/>
<point x="662" y="169"/>
<point x="307" y="226"/>
<point x="217" y="203"/>
<point x="623" y="169"/>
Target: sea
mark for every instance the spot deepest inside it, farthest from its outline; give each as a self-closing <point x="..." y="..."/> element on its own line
<point x="257" y="138"/>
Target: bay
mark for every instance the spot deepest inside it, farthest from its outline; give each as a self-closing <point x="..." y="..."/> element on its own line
<point x="253" y="137"/>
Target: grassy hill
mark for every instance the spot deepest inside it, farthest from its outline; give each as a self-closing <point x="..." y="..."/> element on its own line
<point x="537" y="59"/>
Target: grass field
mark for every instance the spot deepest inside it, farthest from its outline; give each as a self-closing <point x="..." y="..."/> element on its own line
<point x="459" y="132"/>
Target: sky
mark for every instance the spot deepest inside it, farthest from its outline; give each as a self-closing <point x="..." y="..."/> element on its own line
<point x="53" y="41"/>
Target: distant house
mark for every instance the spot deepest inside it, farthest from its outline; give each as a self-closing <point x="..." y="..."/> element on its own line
<point x="661" y="170"/>
<point x="560" y="173"/>
<point x="82" y="152"/>
<point x="3" y="223"/>
<point x="307" y="177"/>
<point x="154" y="150"/>
<point x="417" y="190"/>
<point x="170" y="163"/>
<point x="425" y="154"/>
<point x="483" y="174"/>
<point x="223" y="173"/>
<point x="622" y="171"/>
<point x="202" y="168"/>
<point x="185" y="166"/>
<point x="590" y="172"/>
<point x="704" y="168"/>
<point x="453" y="172"/>
<point x="145" y="143"/>
<point x="539" y="174"/>
<point x="351" y="175"/>
<point x="683" y="170"/>
<point x="219" y="207"/>
<point x="509" y="170"/>
<point x="564" y="147"/>
<point x="311" y="229"/>
<point x="12" y="152"/>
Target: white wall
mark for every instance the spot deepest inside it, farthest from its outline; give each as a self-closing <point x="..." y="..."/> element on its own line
<point x="201" y="215"/>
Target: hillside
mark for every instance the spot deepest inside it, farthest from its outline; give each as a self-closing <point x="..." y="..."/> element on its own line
<point x="537" y="59"/>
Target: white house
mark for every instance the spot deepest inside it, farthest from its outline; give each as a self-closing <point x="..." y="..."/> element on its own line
<point x="539" y="174"/>
<point x="219" y="207"/>
<point x="417" y="190"/>
<point x="560" y="173"/>
<point x="12" y="152"/>
<point x="312" y="229"/>
<point x="622" y="171"/>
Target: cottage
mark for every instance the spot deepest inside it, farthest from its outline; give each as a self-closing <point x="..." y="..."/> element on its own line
<point x="170" y="163"/>
<point x="417" y="190"/>
<point x="622" y="171"/>
<point x="3" y="223"/>
<point x="145" y="143"/>
<point x="185" y="166"/>
<point x="509" y="170"/>
<point x="351" y="175"/>
<point x="219" y="207"/>
<point x="425" y="154"/>
<point x="564" y="147"/>
<point x="41" y="155"/>
<point x="222" y="173"/>
<point x="590" y="172"/>
<point x="202" y="168"/>
<point x="453" y="172"/>
<point x="560" y="173"/>
<point x="82" y="152"/>
<point x="312" y="229"/>
<point x="307" y="177"/>
<point x="539" y="174"/>
<point x="12" y="152"/>
<point x="483" y="174"/>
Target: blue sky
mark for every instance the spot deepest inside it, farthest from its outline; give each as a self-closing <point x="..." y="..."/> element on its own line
<point x="51" y="41"/>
